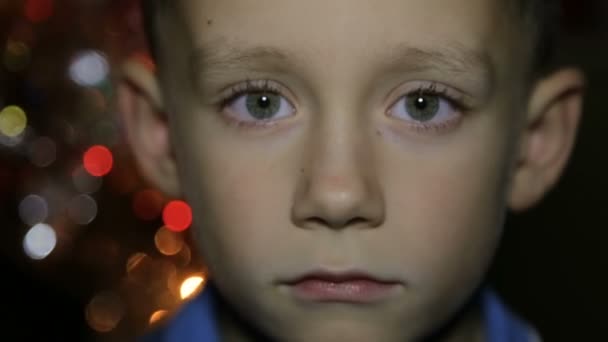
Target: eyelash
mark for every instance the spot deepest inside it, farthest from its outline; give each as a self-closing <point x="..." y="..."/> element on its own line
<point x="267" y="86"/>
<point x="457" y="101"/>
<point x="249" y="87"/>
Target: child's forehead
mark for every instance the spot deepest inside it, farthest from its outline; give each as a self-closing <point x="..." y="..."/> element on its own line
<point x="327" y="26"/>
<point x="456" y="37"/>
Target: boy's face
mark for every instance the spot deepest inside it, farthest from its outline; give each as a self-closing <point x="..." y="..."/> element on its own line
<point x="382" y="141"/>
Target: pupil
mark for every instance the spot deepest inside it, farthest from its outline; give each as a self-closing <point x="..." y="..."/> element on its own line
<point x="421" y="103"/>
<point x="264" y="101"/>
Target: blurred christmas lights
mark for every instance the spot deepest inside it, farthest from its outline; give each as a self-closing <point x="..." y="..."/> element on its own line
<point x="82" y="209"/>
<point x="16" y="56"/>
<point x="42" y="152"/>
<point x="191" y="286"/>
<point x="39" y="241"/>
<point x="158" y="316"/>
<point x="33" y="209"/>
<point x="38" y="10"/>
<point x="105" y="311"/>
<point x="89" y="68"/>
<point x="177" y="216"/>
<point x="98" y="161"/>
<point x="13" y="121"/>
<point x="84" y="182"/>
<point x="168" y="242"/>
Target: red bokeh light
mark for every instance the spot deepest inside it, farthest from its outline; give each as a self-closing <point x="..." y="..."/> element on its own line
<point x="38" y="10"/>
<point x="98" y="161"/>
<point x="148" y="204"/>
<point x="177" y="216"/>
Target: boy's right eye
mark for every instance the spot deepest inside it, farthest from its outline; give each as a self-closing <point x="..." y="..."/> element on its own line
<point x="259" y="106"/>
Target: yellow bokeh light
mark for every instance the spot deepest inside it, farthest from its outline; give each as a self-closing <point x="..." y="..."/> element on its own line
<point x="12" y="121"/>
<point x="191" y="286"/>
<point x="157" y="316"/>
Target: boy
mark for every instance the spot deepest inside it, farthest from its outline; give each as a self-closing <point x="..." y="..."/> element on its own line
<point x="349" y="162"/>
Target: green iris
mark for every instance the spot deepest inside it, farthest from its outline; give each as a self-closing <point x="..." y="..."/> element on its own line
<point x="422" y="107"/>
<point x="263" y="106"/>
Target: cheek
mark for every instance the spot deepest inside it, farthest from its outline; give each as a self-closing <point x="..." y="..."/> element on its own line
<point x="448" y="209"/>
<point x="240" y="200"/>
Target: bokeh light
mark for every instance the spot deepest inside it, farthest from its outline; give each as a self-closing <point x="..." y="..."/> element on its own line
<point x="168" y="242"/>
<point x="148" y="204"/>
<point x="38" y="10"/>
<point x="89" y="68"/>
<point x="16" y="56"/>
<point x="82" y="209"/>
<point x="98" y="161"/>
<point x="177" y="216"/>
<point x="105" y="311"/>
<point x="191" y="286"/>
<point x="158" y="316"/>
<point x="42" y="152"/>
<point x="40" y="241"/>
<point x="12" y="121"/>
<point x="184" y="257"/>
<point x="134" y="261"/>
<point x="84" y="182"/>
<point x="12" y="141"/>
<point x="33" y="209"/>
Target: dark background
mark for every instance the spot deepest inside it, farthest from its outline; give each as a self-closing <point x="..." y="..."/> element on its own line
<point x="551" y="267"/>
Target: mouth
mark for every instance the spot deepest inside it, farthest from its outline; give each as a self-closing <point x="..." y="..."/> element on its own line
<point x="344" y="287"/>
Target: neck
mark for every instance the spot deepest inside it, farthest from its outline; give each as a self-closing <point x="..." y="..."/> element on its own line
<point x="468" y="326"/>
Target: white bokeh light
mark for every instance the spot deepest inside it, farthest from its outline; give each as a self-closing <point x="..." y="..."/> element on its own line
<point x="42" y="152"/>
<point x="33" y="209"/>
<point x="39" y="241"/>
<point x="89" y="68"/>
<point x="82" y="209"/>
<point x="84" y="182"/>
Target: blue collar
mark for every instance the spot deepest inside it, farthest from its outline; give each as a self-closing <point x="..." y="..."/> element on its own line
<point x="195" y="322"/>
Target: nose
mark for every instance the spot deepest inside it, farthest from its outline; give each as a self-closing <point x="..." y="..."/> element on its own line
<point x="337" y="187"/>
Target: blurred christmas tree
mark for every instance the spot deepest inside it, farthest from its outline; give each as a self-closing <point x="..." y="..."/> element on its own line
<point x="76" y="216"/>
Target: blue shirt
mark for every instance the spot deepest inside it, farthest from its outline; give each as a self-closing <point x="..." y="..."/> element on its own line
<point x="195" y="322"/>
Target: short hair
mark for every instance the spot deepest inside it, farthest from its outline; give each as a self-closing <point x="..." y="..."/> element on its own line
<point x="540" y="21"/>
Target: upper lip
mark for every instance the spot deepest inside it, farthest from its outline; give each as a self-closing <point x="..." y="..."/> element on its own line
<point x="338" y="277"/>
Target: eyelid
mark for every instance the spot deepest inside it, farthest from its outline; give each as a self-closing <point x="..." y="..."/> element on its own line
<point x="460" y="100"/>
<point x="233" y="91"/>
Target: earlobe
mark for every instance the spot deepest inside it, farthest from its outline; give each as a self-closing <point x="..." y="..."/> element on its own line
<point x="548" y="137"/>
<point x="145" y="126"/>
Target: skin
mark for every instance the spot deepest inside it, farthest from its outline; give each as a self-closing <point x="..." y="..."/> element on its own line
<point x="343" y="178"/>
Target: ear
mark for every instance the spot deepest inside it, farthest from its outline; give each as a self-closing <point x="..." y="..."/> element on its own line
<point x="549" y="134"/>
<point x="140" y="108"/>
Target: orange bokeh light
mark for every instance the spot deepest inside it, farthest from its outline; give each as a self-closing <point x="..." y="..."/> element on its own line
<point x="177" y="216"/>
<point x="191" y="286"/>
<point x="98" y="161"/>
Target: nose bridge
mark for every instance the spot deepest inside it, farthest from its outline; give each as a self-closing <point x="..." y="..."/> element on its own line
<point x="338" y="187"/>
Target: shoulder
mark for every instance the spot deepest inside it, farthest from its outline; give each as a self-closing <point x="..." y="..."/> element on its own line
<point x="502" y="324"/>
<point x="192" y="323"/>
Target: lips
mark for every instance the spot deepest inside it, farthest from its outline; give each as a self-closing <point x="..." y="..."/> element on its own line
<point x="348" y="287"/>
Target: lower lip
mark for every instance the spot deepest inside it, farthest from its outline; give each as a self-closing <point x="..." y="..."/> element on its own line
<point x="353" y="291"/>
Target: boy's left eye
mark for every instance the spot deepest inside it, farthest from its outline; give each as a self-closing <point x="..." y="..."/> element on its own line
<point x="427" y="109"/>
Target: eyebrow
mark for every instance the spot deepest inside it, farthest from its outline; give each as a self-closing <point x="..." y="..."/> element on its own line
<point x="453" y="60"/>
<point x="216" y="58"/>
